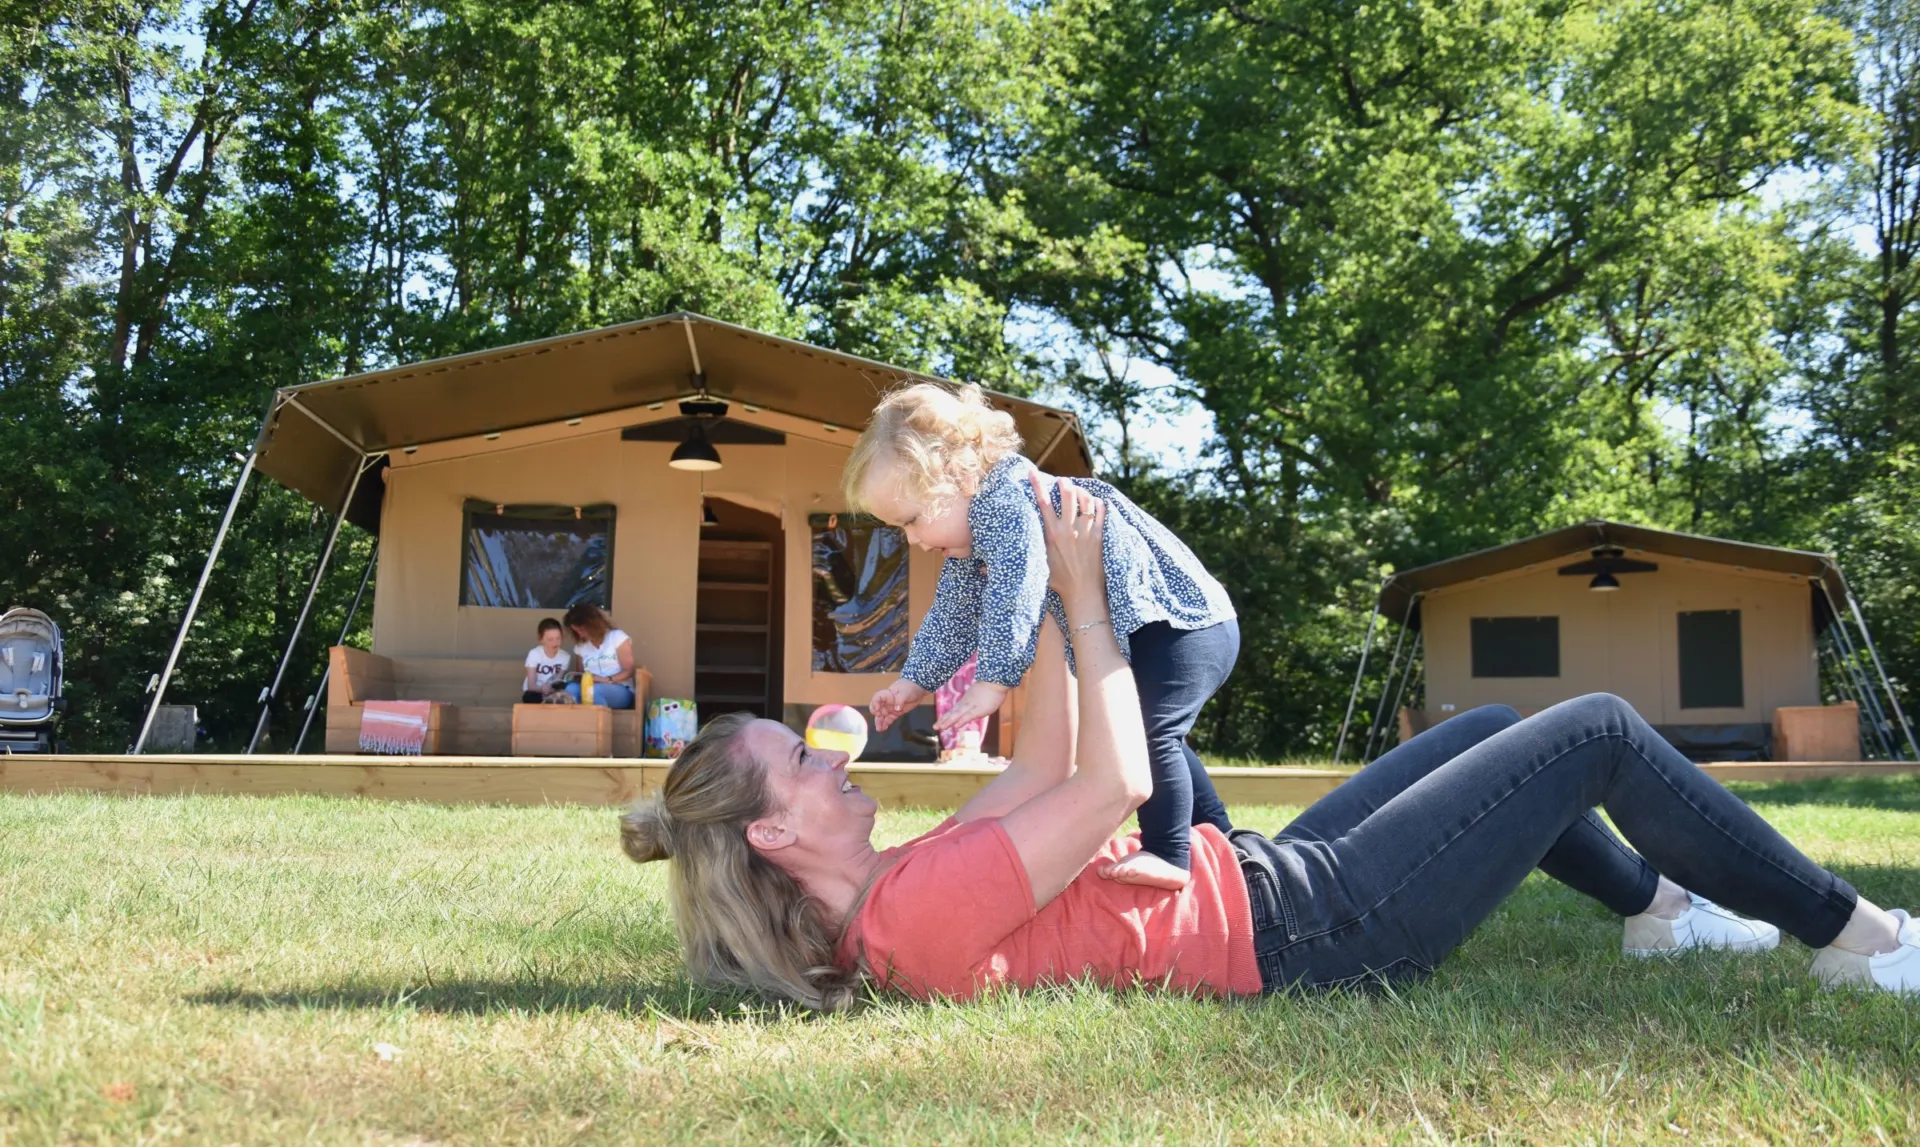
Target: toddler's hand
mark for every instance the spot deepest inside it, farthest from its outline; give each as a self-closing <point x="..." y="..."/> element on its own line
<point x="892" y="703"/>
<point x="982" y="699"/>
<point x="1148" y="870"/>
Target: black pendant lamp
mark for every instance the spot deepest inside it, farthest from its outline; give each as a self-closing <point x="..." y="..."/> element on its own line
<point x="1606" y="564"/>
<point x="696" y="453"/>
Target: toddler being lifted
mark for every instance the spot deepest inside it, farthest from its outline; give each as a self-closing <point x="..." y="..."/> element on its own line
<point x="946" y="468"/>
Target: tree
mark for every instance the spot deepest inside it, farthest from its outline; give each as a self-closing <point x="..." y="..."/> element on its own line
<point x="1435" y="272"/>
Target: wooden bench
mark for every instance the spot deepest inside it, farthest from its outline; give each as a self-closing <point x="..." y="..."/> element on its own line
<point x="478" y="695"/>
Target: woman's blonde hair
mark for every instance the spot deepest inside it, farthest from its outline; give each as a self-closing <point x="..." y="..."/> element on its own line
<point x="743" y="922"/>
<point x="946" y="439"/>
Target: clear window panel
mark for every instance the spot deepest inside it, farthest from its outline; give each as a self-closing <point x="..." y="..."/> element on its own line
<point x="859" y="595"/>
<point x="537" y="557"/>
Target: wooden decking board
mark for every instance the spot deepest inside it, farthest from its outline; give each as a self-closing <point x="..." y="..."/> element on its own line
<point x="618" y="781"/>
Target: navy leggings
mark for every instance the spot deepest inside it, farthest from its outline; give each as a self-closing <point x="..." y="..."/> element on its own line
<point x="1176" y="670"/>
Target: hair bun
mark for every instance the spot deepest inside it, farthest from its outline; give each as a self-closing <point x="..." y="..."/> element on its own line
<point x="646" y="833"/>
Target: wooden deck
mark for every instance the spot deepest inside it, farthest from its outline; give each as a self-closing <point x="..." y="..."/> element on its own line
<point x="572" y="780"/>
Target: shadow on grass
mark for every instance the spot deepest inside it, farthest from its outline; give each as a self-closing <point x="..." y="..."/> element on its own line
<point x="1892" y="794"/>
<point x="677" y="999"/>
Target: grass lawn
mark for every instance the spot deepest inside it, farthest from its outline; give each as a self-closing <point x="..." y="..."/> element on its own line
<point x="269" y="970"/>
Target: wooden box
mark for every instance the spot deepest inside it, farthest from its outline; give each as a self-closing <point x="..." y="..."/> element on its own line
<point x="562" y="731"/>
<point x="1817" y="732"/>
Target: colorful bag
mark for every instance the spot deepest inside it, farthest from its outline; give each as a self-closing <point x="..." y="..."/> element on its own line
<point x="961" y="740"/>
<point x="671" y="723"/>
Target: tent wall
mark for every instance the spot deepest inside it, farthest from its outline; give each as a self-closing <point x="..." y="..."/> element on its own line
<point x="1626" y="642"/>
<point x="417" y="610"/>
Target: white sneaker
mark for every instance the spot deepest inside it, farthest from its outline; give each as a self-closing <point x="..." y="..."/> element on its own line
<point x="1703" y="925"/>
<point x="1897" y="971"/>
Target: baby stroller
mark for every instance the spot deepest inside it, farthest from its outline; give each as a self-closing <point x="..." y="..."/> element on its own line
<point x="30" y="665"/>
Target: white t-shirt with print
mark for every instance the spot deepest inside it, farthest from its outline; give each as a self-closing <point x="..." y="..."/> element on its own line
<point x="547" y="671"/>
<point x="602" y="660"/>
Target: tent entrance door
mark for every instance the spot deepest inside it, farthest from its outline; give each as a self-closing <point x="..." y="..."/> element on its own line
<point x="737" y="624"/>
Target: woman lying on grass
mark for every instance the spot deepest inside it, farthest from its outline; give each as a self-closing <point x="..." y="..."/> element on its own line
<point x="776" y="885"/>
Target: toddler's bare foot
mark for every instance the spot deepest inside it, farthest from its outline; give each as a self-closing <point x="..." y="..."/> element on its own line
<point x="1144" y="868"/>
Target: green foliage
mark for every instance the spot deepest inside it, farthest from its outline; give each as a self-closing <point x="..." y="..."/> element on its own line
<point x="1437" y="275"/>
<point x="1444" y="276"/>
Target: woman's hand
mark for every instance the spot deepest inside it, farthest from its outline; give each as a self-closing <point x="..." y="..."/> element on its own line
<point x="1076" y="567"/>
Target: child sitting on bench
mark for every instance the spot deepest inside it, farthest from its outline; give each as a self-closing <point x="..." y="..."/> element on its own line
<point x="546" y="666"/>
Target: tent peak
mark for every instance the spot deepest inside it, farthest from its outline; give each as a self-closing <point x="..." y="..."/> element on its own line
<point x="1400" y="591"/>
<point x="318" y="433"/>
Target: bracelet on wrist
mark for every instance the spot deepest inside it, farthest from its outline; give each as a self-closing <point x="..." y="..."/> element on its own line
<point x="1095" y="624"/>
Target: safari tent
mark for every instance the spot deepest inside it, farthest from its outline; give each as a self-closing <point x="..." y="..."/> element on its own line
<point x="681" y="472"/>
<point x="1732" y="651"/>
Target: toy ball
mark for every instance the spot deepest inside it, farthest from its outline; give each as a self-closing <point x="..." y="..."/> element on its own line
<point x="838" y="728"/>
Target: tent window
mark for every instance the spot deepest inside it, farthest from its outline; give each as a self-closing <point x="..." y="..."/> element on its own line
<point x="1516" y="647"/>
<point x="859" y="595"/>
<point x="1710" y="675"/>
<point x="537" y="557"/>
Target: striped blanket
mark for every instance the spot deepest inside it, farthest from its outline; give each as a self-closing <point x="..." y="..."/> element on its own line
<point x="394" y="726"/>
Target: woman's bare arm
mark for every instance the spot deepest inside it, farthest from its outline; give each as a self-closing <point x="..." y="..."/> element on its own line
<point x="1060" y="829"/>
<point x="1043" y="757"/>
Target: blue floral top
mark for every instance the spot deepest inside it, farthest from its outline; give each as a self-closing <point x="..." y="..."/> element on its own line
<point x="991" y="602"/>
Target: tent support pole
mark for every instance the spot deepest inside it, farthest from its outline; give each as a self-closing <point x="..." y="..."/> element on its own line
<point x="1830" y="660"/>
<point x="1386" y="691"/>
<point x="1396" y="683"/>
<point x="1869" y="704"/>
<point x="1849" y="659"/>
<point x="306" y="607"/>
<point x="1893" y="699"/>
<point x="193" y="603"/>
<point x="1359" y="675"/>
<point x="353" y="611"/>
<point x="1835" y="665"/>
<point x="1418" y="651"/>
<point x="1373" y="728"/>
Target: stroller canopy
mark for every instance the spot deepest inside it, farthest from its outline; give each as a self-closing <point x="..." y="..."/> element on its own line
<point x="29" y="666"/>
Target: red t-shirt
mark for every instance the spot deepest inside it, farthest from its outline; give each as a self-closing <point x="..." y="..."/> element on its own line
<point x="954" y="914"/>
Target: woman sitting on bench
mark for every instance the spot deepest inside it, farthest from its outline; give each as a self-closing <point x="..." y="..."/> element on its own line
<point x="604" y="651"/>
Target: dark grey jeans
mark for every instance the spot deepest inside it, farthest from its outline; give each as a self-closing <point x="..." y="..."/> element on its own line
<point x="1387" y="874"/>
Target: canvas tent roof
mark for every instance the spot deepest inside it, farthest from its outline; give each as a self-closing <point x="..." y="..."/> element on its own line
<point x="1397" y="594"/>
<point x="318" y="434"/>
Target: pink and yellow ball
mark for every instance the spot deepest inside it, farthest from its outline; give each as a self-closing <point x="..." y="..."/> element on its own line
<point x="838" y="728"/>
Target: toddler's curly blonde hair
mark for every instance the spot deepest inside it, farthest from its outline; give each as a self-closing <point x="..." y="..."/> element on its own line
<point x="946" y="439"/>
